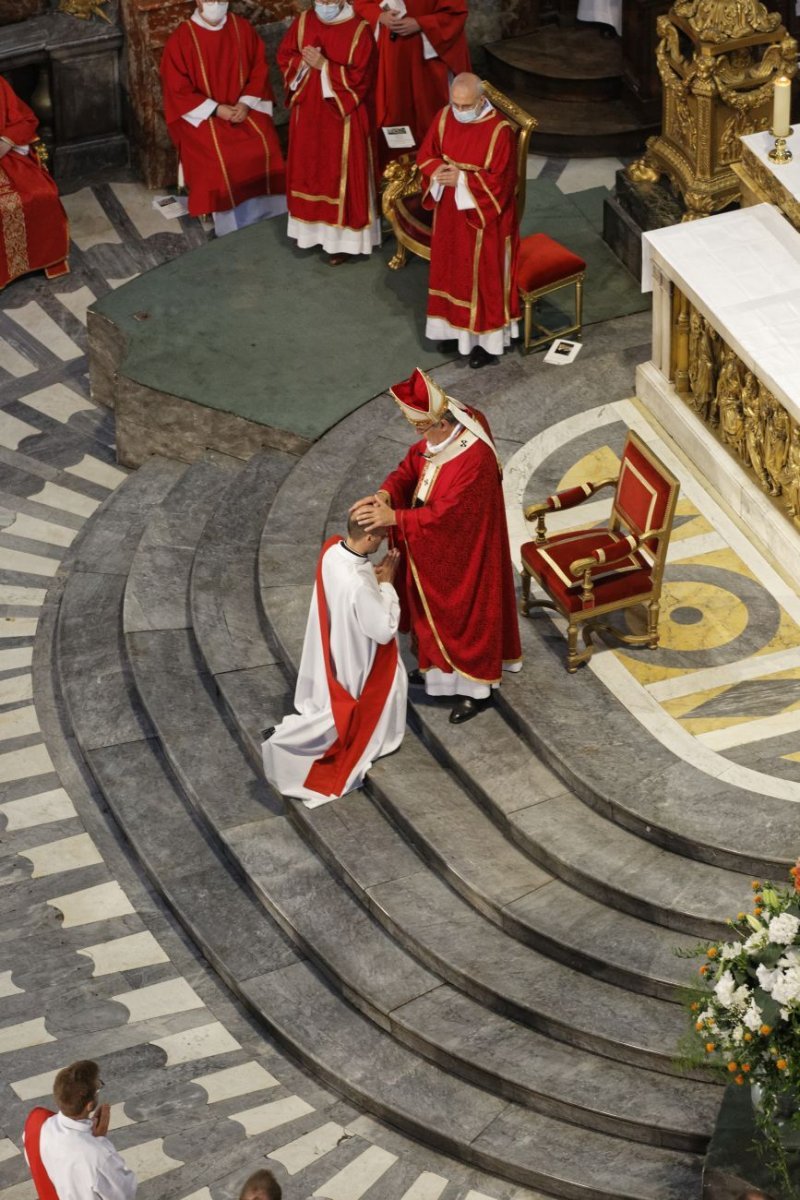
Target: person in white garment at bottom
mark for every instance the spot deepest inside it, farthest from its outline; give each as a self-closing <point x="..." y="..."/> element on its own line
<point x="352" y="687"/>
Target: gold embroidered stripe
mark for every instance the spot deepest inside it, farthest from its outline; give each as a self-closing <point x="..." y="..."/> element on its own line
<point x="12" y="228"/>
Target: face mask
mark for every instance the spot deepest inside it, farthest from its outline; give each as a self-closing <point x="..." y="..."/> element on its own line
<point x="214" y="11"/>
<point x="327" y="12"/>
<point x="466" y="117"/>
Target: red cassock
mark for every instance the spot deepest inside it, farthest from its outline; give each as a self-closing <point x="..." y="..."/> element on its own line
<point x="330" y="171"/>
<point x="34" y="233"/>
<point x="223" y="164"/>
<point x="411" y="89"/>
<point x="474" y="250"/>
<point x="456" y="580"/>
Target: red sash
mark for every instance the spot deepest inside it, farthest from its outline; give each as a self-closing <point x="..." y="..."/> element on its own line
<point x="355" y="718"/>
<point x="33" y="1128"/>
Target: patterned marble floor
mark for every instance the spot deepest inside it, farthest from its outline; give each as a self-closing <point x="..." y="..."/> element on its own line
<point x="91" y="965"/>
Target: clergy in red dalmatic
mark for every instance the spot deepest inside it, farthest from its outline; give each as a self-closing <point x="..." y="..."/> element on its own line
<point x="421" y="45"/>
<point x="328" y="60"/>
<point x="469" y="164"/>
<point x="34" y="233"/>
<point x="444" y="503"/>
<point x="218" y="108"/>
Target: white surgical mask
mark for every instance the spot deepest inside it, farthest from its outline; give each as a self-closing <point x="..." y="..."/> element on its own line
<point x="213" y="11"/>
<point x="326" y="12"/>
<point x="466" y="117"/>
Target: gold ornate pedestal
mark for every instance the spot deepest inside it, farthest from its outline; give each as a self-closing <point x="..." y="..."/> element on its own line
<point x="717" y="60"/>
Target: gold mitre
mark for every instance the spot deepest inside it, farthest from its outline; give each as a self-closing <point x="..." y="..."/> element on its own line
<point x="421" y="400"/>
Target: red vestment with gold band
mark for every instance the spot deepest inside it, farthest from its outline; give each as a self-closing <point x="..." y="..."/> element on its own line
<point x="411" y="88"/>
<point x="224" y="164"/>
<point x="34" y="233"/>
<point x="330" y="170"/>
<point x="473" y="250"/>
<point x="456" y="582"/>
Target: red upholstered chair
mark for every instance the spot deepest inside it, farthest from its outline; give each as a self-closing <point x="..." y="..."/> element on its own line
<point x="590" y="573"/>
<point x="546" y="266"/>
<point x="402" y="191"/>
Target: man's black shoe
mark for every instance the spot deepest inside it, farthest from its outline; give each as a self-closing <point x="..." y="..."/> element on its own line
<point x="267" y="733"/>
<point x="480" y="358"/>
<point x="465" y="708"/>
<point x="416" y="678"/>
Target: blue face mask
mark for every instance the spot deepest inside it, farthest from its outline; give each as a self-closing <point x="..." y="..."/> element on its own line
<point x="467" y="117"/>
<point x="327" y="12"/>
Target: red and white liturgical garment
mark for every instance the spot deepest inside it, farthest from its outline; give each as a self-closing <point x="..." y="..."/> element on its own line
<point x="351" y="686"/>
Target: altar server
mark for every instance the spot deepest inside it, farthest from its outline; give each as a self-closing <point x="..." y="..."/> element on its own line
<point x="421" y="45"/>
<point x="351" y="686"/>
<point x="444" y="506"/>
<point x="469" y="165"/>
<point x="328" y="60"/>
<point x="69" y="1155"/>
<point x="34" y="233"/>
<point x="218" y="108"/>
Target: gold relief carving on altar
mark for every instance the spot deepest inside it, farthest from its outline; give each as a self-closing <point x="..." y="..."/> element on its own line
<point x="771" y="187"/>
<point x="746" y="417"/>
<point x="85" y="9"/>
<point x="726" y="20"/>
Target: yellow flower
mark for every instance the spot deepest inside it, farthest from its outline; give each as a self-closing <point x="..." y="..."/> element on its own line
<point x="712" y="952"/>
<point x="748" y="1037"/>
<point x="781" y="1064"/>
<point x="756" y="885"/>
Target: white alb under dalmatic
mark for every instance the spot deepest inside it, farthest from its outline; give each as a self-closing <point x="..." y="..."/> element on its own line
<point x="363" y="614"/>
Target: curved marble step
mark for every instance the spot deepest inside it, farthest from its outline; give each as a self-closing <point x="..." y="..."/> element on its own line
<point x="346" y="1050"/>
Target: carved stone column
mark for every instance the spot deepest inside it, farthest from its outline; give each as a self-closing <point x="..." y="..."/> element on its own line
<point x="717" y="60"/>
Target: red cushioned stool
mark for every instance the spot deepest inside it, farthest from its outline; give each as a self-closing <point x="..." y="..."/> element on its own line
<point x="545" y="266"/>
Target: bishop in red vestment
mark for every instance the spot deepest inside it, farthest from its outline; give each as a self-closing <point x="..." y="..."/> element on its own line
<point x="469" y="163"/>
<point x="456" y="582"/>
<point x="421" y="44"/>
<point x="218" y="108"/>
<point x="328" y="60"/>
<point x="34" y="233"/>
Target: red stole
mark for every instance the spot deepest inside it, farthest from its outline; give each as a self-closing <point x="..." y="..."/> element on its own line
<point x="33" y="1128"/>
<point x="355" y="717"/>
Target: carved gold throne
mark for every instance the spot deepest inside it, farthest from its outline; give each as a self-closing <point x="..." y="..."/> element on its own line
<point x="402" y="194"/>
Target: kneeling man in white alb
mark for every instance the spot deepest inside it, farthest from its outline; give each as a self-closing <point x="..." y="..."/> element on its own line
<point x="351" y="687"/>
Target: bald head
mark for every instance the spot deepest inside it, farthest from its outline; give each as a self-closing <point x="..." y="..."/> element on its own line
<point x="466" y="89"/>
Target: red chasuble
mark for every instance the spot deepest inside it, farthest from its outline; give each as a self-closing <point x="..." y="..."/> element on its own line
<point x="223" y="164"/>
<point x="473" y="251"/>
<point x="456" y="580"/>
<point x="331" y="152"/>
<point x="356" y="717"/>
<point x="33" y="1128"/>
<point x="34" y="233"/>
<point x="411" y="89"/>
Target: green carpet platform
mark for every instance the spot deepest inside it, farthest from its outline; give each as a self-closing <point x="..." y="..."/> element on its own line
<point x="188" y="356"/>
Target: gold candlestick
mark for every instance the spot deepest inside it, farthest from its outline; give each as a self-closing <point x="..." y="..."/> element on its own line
<point x="779" y="153"/>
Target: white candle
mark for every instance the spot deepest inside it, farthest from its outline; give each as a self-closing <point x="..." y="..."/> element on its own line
<point x="781" y="106"/>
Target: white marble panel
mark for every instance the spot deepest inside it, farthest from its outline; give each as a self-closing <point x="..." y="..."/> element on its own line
<point x="19" y="764"/>
<point x="580" y="174"/>
<point x="159" y="1000"/>
<point x="203" y="1194"/>
<point x="13" y="431"/>
<point x="66" y="854"/>
<point x="27" y="564"/>
<point x="64" y="498"/>
<point x="744" y="733"/>
<point x="138" y="204"/>
<point x="694" y="547"/>
<point x="8" y="1149"/>
<point x="115" y="283"/>
<point x="535" y="165"/>
<point x="13" y="691"/>
<point x="58" y="402"/>
<point x="39" y="324"/>
<point x="125" y="954"/>
<point x="35" y="1086"/>
<point x="20" y="1191"/>
<point x="426" y="1186"/>
<point x="757" y="667"/>
<point x="18" y="722"/>
<point x="203" y="1041"/>
<point x="14" y="627"/>
<point x="77" y="302"/>
<point x="99" y="903"/>
<point x="358" y="1176"/>
<point x="97" y="472"/>
<point x="40" y="809"/>
<point x="149" y="1160"/>
<point x="118" y="1118"/>
<point x="88" y="224"/>
<point x="303" y="1151"/>
<point x="23" y="1035"/>
<point x="8" y="988"/>
<point x="38" y="530"/>
<point x="235" y="1081"/>
<point x="16" y="658"/>
<point x="13" y="362"/>
<point x="270" y="1116"/>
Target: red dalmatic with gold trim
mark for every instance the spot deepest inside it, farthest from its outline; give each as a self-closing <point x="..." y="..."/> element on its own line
<point x="223" y="164"/>
<point x="34" y="233"/>
<point x="412" y="87"/>
<point x="458" y="588"/>
<point x="473" y="250"/>
<point x="330" y="170"/>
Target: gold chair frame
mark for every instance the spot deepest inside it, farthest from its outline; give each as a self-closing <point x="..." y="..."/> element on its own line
<point x="403" y="177"/>
<point x="585" y="620"/>
<point x="532" y="326"/>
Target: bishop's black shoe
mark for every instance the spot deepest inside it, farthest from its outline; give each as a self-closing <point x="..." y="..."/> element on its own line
<point x="479" y="357"/>
<point x="267" y="733"/>
<point x="416" y="678"/>
<point x="465" y="708"/>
